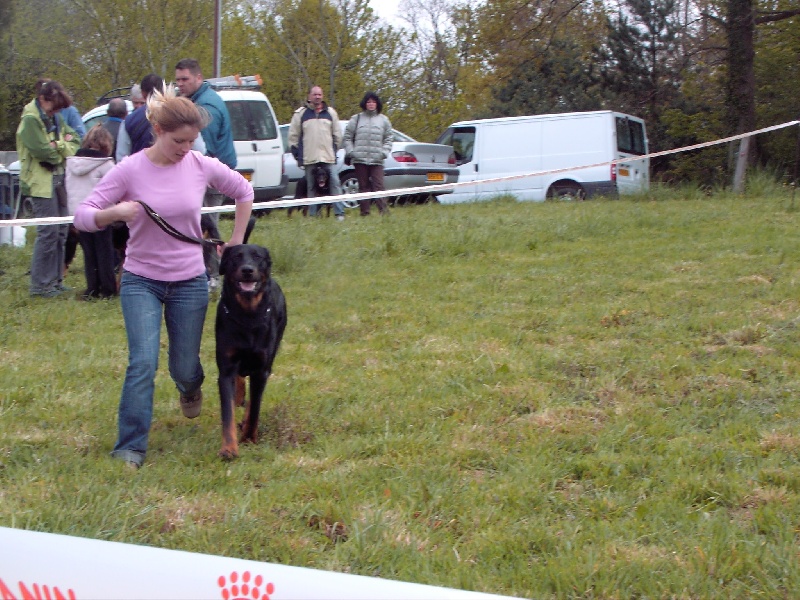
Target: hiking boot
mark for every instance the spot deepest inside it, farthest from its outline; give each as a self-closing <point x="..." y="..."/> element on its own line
<point x="191" y="405"/>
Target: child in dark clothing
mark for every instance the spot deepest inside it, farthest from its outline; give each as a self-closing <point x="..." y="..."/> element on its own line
<point x="83" y="171"/>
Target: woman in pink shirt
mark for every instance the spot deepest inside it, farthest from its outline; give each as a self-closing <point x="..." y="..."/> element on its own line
<point x="161" y="273"/>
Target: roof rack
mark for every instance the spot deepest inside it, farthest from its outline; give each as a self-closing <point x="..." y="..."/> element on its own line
<point x="120" y="92"/>
<point x="236" y="82"/>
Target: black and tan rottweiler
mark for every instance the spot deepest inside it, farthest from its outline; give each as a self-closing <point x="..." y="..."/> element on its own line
<point x="251" y="317"/>
<point x="322" y="187"/>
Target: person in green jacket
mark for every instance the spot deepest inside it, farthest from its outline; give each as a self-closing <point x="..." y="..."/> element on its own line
<point x="44" y="141"/>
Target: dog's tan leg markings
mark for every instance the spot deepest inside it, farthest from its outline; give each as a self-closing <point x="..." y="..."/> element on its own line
<point x="230" y="447"/>
<point x="241" y="389"/>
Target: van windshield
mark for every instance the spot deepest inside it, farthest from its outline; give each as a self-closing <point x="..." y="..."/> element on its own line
<point x="630" y="136"/>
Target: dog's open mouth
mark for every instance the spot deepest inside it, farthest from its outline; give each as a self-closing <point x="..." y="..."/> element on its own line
<point x="248" y="287"/>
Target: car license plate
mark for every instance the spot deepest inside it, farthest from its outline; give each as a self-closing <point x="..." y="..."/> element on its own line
<point x="436" y="177"/>
<point x="247" y="175"/>
<point x="623" y="172"/>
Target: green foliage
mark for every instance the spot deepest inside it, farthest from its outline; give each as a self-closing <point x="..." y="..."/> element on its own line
<point x="547" y="400"/>
<point x="564" y="81"/>
<point x="777" y="47"/>
<point x="453" y="59"/>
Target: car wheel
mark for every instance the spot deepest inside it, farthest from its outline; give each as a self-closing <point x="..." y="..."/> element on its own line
<point x="349" y="186"/>
<point x="567" y="192"/>
<point x="426" y="199"/>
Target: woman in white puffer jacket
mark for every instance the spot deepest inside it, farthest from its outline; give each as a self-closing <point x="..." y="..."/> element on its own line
<point x="367" y="142"/>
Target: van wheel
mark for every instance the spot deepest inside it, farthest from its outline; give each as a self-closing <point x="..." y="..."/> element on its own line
<point x="566" y="192"/>
<point x="349" y="186"/>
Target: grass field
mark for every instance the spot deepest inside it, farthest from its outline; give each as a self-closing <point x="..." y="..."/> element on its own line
<point x="546" y="400"/>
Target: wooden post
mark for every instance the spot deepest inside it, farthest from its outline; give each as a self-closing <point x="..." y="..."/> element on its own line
<point x="741" y="166"/>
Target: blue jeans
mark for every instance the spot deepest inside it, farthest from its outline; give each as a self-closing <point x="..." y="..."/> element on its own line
<point x="184" y="305"/>
<point x="47" y="264"/>
<point x="336" y="188"/>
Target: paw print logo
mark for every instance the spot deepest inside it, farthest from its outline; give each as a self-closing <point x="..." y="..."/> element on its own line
<point x="244" y="587"/>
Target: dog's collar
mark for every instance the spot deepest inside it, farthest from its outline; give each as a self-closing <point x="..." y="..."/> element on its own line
<point x="230" y="314"/>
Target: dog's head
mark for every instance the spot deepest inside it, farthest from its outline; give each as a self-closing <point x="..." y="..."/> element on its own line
<point x="246" y="269"/>
<point x="321" y="177"/>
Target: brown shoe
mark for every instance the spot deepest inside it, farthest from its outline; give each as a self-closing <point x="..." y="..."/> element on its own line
<point x="191" y="405"/>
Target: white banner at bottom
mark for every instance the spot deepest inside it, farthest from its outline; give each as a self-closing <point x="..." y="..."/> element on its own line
<point x="46" y="566"/>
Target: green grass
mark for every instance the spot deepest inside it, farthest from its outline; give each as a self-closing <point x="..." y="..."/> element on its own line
<point x="549" y="400"/>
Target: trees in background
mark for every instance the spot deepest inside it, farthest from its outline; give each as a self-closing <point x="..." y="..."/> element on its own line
<point x="696" y="70"/>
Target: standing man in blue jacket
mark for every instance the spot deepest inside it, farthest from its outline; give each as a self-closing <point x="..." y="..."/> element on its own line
<point x="217" y="136"/>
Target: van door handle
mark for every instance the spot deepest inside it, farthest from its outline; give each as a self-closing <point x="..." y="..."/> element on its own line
<point x="255" y="147"/>
<point x="476" y="167"/>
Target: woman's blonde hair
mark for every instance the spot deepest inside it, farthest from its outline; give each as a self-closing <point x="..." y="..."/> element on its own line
<point x="170" y="111"/>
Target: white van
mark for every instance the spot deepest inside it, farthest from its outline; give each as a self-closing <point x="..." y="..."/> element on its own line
<point x="257" y="141"/>
<point x="492" y="148"/>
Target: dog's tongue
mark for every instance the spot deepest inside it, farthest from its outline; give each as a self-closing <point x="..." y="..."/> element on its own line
<point x="247" y="286"/>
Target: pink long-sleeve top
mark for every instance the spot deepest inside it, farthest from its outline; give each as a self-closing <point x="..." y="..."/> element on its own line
<point x="176" y="193"/>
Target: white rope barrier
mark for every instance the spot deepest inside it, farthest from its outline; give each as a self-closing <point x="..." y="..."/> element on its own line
<point x="429" y="188"/>
<point x="38" y="565"/>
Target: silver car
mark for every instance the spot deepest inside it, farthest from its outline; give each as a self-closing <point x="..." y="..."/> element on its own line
<point x="411" y="164"/>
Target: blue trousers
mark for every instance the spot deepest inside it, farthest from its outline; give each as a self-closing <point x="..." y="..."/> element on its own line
<point x="184" y="305"/>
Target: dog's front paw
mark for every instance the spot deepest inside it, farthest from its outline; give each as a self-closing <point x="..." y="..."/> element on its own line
<point x="229" y="452"/>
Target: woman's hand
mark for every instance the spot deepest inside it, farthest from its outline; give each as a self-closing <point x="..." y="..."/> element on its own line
<point x="124" y="211"/>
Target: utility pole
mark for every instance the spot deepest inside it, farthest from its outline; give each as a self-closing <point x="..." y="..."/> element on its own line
<point x="217" y="37"/>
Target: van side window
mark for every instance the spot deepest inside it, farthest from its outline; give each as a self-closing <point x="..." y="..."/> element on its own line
<point x="239" y="126"/>
<point x="630" y="136"/>
<point x="463" y="142"/>
<point x="246" y="115"/>
<point x="263" y="122"/>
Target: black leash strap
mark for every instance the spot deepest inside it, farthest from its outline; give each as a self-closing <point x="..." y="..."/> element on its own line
<point x="169" y="229"/>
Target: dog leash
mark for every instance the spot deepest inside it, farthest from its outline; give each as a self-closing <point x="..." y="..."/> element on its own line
<point x="169" y="229"/>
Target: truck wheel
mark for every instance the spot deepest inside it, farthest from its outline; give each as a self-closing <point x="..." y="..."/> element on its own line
<point x="566" y="191"/>
<point x="349" y="186"/>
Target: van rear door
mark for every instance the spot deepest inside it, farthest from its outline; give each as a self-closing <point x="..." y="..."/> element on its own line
<point x="259" y="151"/>
<point x="633" y="174"/>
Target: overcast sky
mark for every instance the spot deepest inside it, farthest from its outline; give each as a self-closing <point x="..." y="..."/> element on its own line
<point x="386" y="9"/>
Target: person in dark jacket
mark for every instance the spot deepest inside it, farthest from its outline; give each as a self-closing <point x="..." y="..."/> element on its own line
<point x="368" y="142"/>
<point x="137" y="133"/>
<point x="116" y="112"/>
